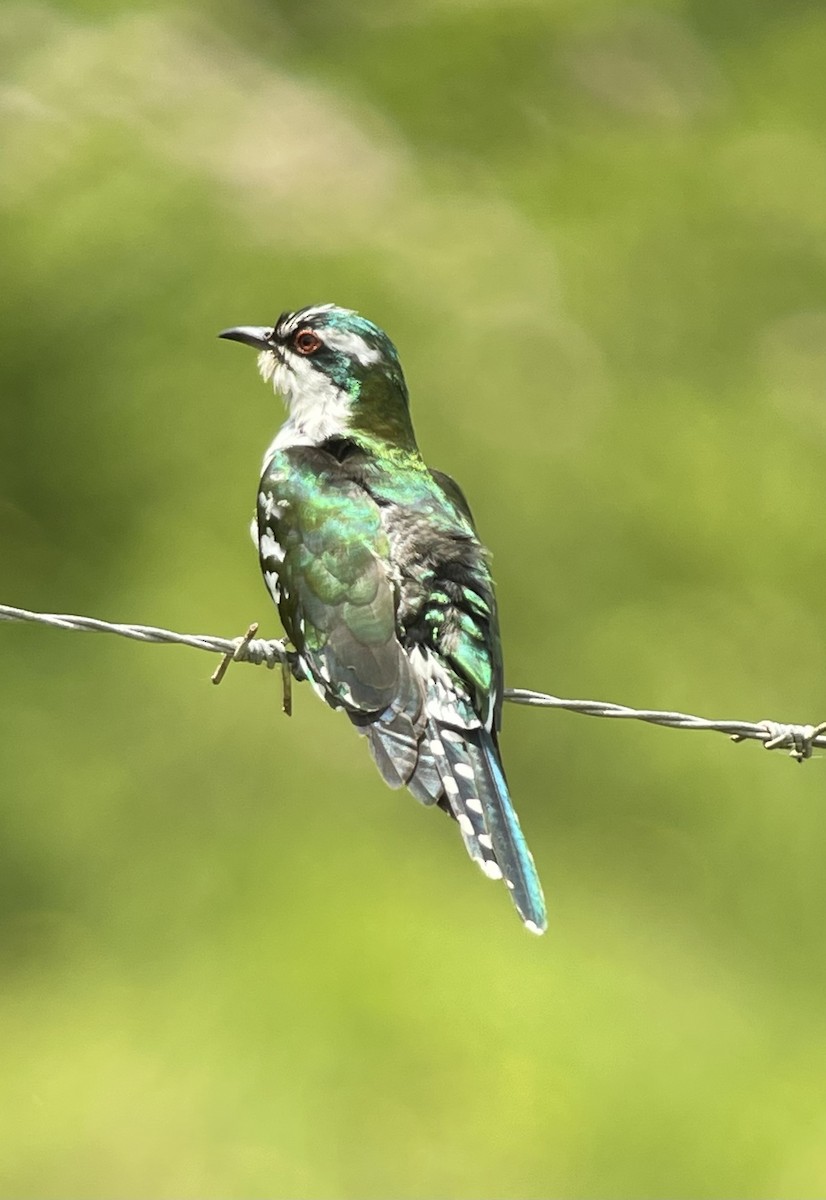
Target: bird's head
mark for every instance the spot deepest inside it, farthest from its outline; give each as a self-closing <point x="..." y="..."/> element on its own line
<point x="338" y="374"/>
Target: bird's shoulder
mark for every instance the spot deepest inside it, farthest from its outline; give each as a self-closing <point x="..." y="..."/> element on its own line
<point x="453" y="494"/>
<point x="314" y="507"/>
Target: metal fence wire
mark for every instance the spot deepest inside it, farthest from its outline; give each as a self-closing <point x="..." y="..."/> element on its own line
<point x="799" y="740"/>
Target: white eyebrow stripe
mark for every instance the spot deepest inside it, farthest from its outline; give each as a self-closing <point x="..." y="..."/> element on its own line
<point x="351" y="344"/>
<point x="294" y="321"/>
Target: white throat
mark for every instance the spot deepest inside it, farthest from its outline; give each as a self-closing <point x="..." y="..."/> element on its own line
<point x="318" y="409"/>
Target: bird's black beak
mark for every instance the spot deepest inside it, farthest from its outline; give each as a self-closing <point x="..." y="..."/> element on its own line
<point x="257" y="336"/>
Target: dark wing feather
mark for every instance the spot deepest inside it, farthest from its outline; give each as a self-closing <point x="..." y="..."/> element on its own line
<point x="476" y="654"/>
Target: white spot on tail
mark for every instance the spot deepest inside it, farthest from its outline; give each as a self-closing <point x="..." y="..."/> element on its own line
<point x="532" y="927"/>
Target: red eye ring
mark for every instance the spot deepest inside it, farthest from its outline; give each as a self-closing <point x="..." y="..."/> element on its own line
<point x="306" y="341"/>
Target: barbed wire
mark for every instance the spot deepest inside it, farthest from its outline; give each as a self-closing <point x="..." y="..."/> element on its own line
<point x="799" y="740"/>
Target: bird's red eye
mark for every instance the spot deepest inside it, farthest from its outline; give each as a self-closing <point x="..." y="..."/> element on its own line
<point x="306" y="341"/>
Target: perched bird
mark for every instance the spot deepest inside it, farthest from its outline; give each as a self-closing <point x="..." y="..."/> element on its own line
<point x="381" y="583"/>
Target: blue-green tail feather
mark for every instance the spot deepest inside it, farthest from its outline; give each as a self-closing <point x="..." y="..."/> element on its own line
<point x="476" y="792"/>
<point x="509" y="843"/>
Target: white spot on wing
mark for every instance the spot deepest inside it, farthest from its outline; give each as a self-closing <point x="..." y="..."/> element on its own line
<point x="484" y="840"/>
<point x="443" y="703"/>
<point x="492" y="869"/>
<point x="271" y="580"/>
<point x="474" y="804"/>
<point x="465" y="824"/>
<point x="270" y="548"/>
<point x="464" y="770"/>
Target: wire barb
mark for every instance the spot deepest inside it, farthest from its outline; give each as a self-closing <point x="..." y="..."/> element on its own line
<point x="799" y="740"/>
<point x="238" y="653"/>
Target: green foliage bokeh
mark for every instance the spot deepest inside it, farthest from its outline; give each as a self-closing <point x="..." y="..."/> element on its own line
<point x="232" y="963"/>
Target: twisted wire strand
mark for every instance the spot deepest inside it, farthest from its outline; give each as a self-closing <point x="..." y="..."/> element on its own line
<point x="799" y="740"/>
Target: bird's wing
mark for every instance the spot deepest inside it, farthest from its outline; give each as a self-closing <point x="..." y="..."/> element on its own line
<point x="475" y="650"/>
<point x="460" y="763"/>
<point x="454" y="494"/>
<point x="325" y="558"/>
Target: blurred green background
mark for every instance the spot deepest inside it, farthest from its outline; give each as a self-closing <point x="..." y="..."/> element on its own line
<point x="232" y="963"/>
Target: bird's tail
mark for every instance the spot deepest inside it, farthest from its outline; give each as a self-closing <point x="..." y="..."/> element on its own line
<point x="445" y="762"/>
<point x="476" y="792"/>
